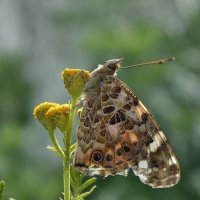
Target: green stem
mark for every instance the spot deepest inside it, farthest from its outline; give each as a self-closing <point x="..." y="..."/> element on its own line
<point x="2" y="184"/>
<point x="73" y="148"/>
<point x="67" y="142"/>
<point x="66" y="178"/>
<point x="56" y="145"/>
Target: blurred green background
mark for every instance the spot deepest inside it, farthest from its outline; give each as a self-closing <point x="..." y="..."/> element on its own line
<point x="39" y="38"/>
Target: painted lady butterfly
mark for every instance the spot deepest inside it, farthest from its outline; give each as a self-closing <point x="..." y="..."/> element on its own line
<point x="116" y="132"/>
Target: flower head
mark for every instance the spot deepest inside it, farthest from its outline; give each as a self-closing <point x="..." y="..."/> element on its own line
<point x="59" y="115"/>
<point x="74" y="80"/>
<point x="40" y="114"/>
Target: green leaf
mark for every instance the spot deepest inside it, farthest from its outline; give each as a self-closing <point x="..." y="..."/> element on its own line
<point x="78" y="185"/>
<point x="50" y="148"/>
<point x="73" y="148"/>
<point x="88" y="183"/>
<point x="85" y="194"/>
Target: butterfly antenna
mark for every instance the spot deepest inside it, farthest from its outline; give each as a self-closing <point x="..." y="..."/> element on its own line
<point x="162" y="61"/>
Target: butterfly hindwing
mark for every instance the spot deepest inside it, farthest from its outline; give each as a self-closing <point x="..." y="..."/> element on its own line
<point x="106" y="126"/>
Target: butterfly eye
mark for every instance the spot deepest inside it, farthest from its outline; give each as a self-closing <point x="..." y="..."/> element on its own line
<point x="97" y="156"/>
<point x="112" y="66"/>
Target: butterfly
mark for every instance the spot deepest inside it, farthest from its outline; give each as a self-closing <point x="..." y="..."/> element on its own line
<point x="117" y="133"/>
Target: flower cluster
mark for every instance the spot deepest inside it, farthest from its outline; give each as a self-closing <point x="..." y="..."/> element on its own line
<point x="52" y="116"/>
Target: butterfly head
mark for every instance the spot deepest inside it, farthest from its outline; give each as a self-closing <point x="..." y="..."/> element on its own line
<point x="110" y="67"/>
<point x="113" y="64"/>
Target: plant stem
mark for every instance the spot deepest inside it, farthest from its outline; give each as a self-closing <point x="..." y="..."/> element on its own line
<point x="67" y="142"/>
<point x="2" y="184"/>
<point x="66" y="178"/>
<point x="56" y="145"/>
<point x="73" y="148"/>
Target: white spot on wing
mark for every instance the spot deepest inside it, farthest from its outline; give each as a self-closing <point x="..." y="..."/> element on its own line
<point x="142" y="177"/>
<point x="155" y="169"/>
<point x="164" y="169"/>
<point x="173" y="159"/>
<point x="156" y="143"/>
<point x="178" y="176"/>
<point x="140" y="173"/>
<point x="143" y="164"/>
<point x="153" y="146"/>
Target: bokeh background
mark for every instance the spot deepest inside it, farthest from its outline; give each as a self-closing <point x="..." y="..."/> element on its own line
<point x="40" y="38"/>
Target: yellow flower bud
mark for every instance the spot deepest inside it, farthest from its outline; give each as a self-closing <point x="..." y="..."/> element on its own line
<point x="59" y="115"/>
<point x="74" y="80"/>
<point x="40" y="113"/>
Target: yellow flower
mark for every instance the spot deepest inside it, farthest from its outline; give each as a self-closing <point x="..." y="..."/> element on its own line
<point x="59" y="115"/>
<point x="40" y="113"/>
<point x="74" y="80"/>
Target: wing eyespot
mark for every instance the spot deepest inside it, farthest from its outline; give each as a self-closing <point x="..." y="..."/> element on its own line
<point x="97" y="156"/>
<point x="109" y="157"/>
<point x="119" y="151"/>
<point x="126" y="147"/>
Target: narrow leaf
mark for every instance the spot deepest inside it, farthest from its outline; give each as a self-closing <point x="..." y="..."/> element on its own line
<point x="87" y="184"/>
<point x="73" y="148"/>
<point x="53" y="149"/>
<point x="85" y="194"/>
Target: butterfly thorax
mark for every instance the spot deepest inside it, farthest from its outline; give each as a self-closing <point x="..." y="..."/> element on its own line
<point x="99" y="75"/>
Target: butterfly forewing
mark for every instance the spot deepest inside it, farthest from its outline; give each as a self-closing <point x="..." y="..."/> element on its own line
<point x="116" y="132"/>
